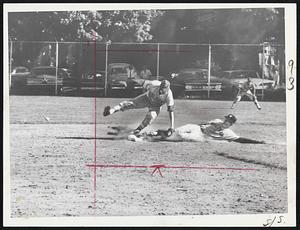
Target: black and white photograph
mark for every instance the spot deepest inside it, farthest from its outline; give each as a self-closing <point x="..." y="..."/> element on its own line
<point x="149" y="114"/>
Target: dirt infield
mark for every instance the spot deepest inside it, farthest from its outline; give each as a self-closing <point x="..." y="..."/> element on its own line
<point x="51" y="142"/>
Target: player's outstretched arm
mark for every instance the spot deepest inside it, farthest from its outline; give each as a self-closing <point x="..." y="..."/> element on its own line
<point x="171" y="116"/>
<point x="248" y="141"/>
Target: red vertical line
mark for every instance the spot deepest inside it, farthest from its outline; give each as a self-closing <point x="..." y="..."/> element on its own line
<point x="95" y="117"/>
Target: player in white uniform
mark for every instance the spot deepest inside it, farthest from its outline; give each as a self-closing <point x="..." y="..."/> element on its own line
<point x="213" y="130"/>
<point x="155" y="96"/>
<point x="245" y="89"/>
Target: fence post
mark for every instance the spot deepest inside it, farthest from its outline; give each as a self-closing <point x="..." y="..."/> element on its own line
<point x="263" y="71"/>
<point x="209" y="67"/>
<point x="10" y="62"/>
<point x="56" y="69"/>
<point x="157" y="62"/>
<point x="106" y="65"/>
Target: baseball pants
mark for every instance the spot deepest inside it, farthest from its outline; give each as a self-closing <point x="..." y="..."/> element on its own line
<point x="140" y="102"/>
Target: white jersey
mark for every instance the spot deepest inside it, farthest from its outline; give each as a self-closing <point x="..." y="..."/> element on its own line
<point x="155" y="98"/>
<point x="244" y="87"/>
<point x="193" y="133"/>
<point x="216" y="130"/>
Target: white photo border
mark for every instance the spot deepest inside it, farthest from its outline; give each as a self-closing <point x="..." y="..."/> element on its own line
<point x="191" y="220"/>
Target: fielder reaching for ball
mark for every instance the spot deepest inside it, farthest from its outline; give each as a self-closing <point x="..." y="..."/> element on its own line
<point x="213" y="130"/>
<point x="245" y="89"/>
<point x="153" y="99"/>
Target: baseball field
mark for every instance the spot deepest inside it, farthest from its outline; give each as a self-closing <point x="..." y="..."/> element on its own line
<point x="52" y="141"/>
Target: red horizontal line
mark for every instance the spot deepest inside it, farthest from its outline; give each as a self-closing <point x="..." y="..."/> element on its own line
<point x="166" y="166"/>
<point x="147" y="50"/>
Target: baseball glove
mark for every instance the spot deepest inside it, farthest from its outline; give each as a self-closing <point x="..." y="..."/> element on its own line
<point x="165" y="133"/>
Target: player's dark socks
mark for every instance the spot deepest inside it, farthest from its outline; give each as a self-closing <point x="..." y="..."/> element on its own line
<point x="106" y="111"/>
<point x="137" y="131"/>
<point x="248" y="141"/>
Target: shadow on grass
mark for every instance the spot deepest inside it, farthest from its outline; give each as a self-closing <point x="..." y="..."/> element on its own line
<point x="249" y="161"/>
<point x="92" y="138"/>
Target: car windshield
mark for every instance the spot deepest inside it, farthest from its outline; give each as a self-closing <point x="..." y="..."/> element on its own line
<point x="193" y="74"/>
<point x="119" y="70"/>
<point x="240" y="74"/>
<point x="41" y="71"/>
<point x="121" y="73"/>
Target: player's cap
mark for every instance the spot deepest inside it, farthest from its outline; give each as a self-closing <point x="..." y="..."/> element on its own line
<point x="231" y="118"/>
<point x="165" y="84"/>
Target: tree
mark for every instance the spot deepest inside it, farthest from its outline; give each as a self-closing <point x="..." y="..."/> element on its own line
<point x="116" y="25"/>
<point x="251" y="26"/>
<point x="221" y="25"/>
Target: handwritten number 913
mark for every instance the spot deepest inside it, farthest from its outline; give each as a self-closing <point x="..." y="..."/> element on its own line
<point x="291" y="78"/>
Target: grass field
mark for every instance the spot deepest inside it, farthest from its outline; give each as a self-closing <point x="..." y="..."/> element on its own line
<point x="49" y="176"/>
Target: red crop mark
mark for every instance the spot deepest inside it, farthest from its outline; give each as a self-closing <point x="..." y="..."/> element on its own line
<point x="158" y="167"/>
<point x="147" y="50"/>
<point x="95" y="115"/>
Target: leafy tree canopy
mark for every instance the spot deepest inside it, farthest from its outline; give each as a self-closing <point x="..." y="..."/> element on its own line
<point x="221" y="25"/>
<point x="130" y="26"/>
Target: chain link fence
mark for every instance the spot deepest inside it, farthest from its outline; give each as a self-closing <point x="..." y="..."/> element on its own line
<point x="194" y="70"/>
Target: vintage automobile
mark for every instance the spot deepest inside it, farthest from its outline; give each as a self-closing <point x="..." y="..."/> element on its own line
<point x="93" y="81"/>
<point x="18" y="78"/>
<point x="123" y="78"/>
<point x="46" y="78"/>
<point x="237" y="77"/>
<point x="194" y="82"/>
<point x="89" y="84"/>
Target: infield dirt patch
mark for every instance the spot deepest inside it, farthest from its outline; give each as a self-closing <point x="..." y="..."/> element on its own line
<point x="48" y="159"/>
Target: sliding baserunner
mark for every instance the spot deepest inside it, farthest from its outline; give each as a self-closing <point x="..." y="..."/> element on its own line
<point x="212" y="130"/>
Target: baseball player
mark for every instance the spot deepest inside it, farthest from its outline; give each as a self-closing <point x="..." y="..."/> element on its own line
<point x="213" y="130"/>
<point x="245" y="89"/>
<point x="153" y="99"/>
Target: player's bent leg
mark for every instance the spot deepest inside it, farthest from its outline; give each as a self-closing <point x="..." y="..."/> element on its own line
<point x="124" y="105"/>
<point x="256" y="102"/>
<point x="237" y="99"/>
<point x="252" y="97"/>
<point x="136" y="103"/>
<point x="149" y="118"/>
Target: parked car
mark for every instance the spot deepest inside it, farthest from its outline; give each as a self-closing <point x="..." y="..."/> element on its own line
<point x="18" y="78"/>
<point x="121" y="79"/>
<point x="93" y="81"/>
<point x="44" y="79"/>
<point x="194" y="82"/>
<point x="89" y="84"/>
<point x="237" y="77"/>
